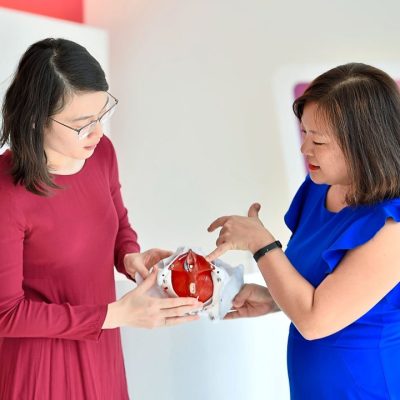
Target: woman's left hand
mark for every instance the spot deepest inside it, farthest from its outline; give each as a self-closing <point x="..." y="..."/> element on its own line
<point x="240" y="233"/>
<point x="143" y="262"/>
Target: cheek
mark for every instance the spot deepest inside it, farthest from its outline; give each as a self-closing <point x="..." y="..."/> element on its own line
<point x="63" y="143"/>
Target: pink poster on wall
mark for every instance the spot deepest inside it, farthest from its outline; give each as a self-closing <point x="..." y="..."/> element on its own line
<point x="71" y="10"/>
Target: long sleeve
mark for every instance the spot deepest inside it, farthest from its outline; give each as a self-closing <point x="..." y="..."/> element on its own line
<point x="126" y="241"/>
<point x="22" y="317"/>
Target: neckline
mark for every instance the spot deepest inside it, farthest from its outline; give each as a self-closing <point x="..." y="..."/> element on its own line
<point x="325" y="197"/>
<point x="73" y="174"/>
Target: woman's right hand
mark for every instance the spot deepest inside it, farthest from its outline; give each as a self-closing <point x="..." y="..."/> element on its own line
<point x="252" y="301"/>
<point x="138" y="309"/>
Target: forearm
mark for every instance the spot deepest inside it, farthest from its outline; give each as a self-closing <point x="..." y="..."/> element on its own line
<point x="293" y="294"/>
<point x="26" y="318"/>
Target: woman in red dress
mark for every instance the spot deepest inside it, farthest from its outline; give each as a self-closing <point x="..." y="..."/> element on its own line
<point x="63" y="228"/>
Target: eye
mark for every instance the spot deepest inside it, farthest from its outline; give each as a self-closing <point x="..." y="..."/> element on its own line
<point x="318" y="143"/>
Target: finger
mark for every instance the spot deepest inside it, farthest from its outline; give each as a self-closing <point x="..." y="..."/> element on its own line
<point x="241" y="297"/>
<point x="181" y="320"/>
<point x="254" y="210"/>
<point x="218" y="252"/>
<point x="232" y="315"/>
<point x="148" y="282"/>
<point x="174" y="302"/>
<point x="180" y="311"/>
<point x="217" y="223"/>
<point x="238" y="313"/>
<point x="142" y="270"/>
<point x="157" y="255"/>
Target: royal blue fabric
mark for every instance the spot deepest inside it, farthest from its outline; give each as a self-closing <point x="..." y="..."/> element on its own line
<point x="362" y="361"/>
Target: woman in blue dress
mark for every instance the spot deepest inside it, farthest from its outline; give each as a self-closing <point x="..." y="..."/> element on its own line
<point x="338" y="280"/>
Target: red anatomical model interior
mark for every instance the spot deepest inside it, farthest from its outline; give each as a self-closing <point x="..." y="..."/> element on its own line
<point x="191" y="276"/>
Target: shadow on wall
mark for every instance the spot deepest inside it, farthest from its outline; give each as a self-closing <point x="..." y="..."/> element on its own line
<point x="207" y="360"/>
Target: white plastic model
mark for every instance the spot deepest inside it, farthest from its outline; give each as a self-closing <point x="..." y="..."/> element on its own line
<point x="188" y="273"/>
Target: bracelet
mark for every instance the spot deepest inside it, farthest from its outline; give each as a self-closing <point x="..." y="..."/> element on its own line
<point x="259" y="253"/>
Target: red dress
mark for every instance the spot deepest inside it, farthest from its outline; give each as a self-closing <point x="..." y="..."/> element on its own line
<point x="57" y="256"/>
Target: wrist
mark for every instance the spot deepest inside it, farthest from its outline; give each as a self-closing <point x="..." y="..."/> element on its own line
<point x="113" y="317"/>
<point x="266" y="249"/>
<point x="261" y="241"/>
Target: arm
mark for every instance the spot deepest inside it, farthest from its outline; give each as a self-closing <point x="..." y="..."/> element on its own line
<point x="363" y="277"/>
<point x="126" y="241"/>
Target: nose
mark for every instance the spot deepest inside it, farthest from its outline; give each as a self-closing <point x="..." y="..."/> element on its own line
<point x="97" y="131"/>
<point x="306" y="146"/>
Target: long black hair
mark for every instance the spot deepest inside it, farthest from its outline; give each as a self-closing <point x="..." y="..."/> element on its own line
<point x="49" y="71"/>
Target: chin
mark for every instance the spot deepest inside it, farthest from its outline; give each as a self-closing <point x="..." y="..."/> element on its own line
<point x="318" y="179"/>
<point x="85" y="154"/>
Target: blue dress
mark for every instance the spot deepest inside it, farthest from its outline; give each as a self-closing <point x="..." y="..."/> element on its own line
<point x="362" y="361"/>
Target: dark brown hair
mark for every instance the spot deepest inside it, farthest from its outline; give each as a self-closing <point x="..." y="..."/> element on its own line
<point x="362" y="106"/>
<point x="48" y="72"/>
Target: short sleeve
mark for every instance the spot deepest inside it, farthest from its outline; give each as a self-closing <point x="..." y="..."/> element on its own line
<point x="361" y="231"/>
<point x="293" y="215"/>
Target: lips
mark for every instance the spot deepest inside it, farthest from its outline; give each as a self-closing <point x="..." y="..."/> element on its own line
<point x="92" y="147"/>
<point x="312" y="167"/>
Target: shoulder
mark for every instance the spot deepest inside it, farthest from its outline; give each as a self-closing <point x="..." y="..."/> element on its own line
<point x="6" y="180"/>
<point x="104" y="157"/>
<point x="105" y="148"/>
<point x="10" y="193"/>
<point x="362" y="225"/>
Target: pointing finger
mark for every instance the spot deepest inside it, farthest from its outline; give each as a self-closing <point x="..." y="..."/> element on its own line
<point x="217" y="223"/>
<point x="218" y="252"/>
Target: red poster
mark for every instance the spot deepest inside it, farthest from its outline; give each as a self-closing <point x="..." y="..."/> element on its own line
<point x="71" y="10"/>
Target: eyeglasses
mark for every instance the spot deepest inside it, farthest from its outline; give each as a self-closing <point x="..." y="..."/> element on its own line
<point x="91" y="126"/>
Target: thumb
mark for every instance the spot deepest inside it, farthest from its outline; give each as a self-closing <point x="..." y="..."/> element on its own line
<point x="254" y="210"/>
<point x="149" y="281"/>
<point x="241" y="297"/>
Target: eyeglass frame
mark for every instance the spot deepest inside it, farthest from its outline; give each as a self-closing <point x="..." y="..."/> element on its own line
<point x="78" y="130"/>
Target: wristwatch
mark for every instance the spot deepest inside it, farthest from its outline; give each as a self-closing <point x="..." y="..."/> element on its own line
<point x="264" y="250"/>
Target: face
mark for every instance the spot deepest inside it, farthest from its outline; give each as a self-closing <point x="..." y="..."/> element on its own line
<point x="325" y="159"/>
<point x="64" y="149"/>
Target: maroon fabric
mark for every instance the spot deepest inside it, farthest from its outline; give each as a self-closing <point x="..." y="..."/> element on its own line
<point x="57" y="256"/>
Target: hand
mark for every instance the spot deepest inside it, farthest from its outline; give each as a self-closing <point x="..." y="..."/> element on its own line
<point x="140" y="310"/>
<point x="143" y="262"/>
<point x="240" y="233"/>
<point x="252" y="301"/>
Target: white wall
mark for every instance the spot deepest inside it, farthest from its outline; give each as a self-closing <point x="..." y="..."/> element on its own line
<point x="204" y="128"/>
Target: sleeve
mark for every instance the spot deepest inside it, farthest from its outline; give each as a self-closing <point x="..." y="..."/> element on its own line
<point x="126" y="241"/>
<point x="22" y="317"/>
<point x="293" y="215"/>
<point x="361" y="231"/>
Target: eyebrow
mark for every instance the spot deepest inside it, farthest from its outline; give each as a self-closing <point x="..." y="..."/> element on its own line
<point x="90" y="116"/>
<point x="310" y="130"/>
